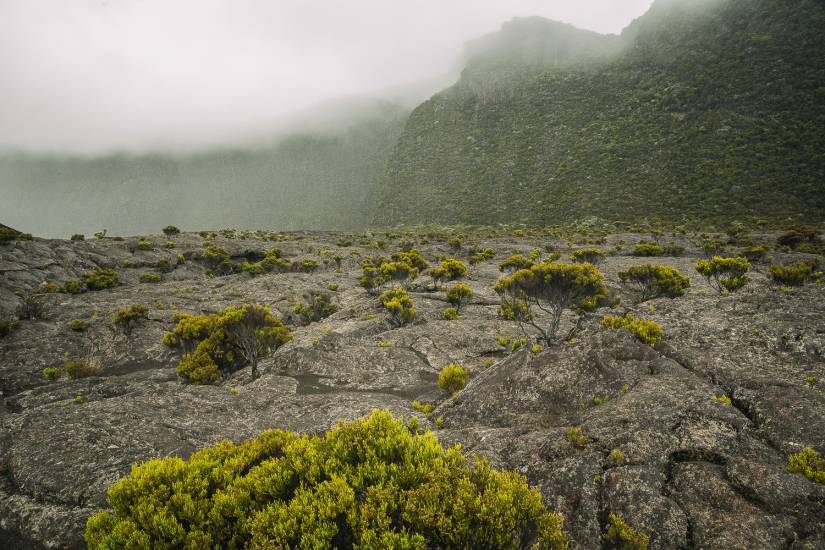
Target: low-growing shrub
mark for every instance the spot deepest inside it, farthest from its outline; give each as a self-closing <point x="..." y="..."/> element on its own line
<point x="724" y="274"/>
<point x="808" y="463"/>
<point x="647" y="332"/>
<point x="73" y="286"/>
<point x="145" y="244"/>
<point x="459" y="295"/>
<point x="7" y="235"/>
<point x="101" y="278"/>
<point x="316" y="306"/>
<point x="47" y="287"/>
<point x="724" y="399"/>
<point x="712" y="247"/>
<point x="577" y="438"/>
<point x="400" y="306"/>
<point x="452" y="378"/>
<point x="164" y="266"/>
<point x="519" y="343"/>
<point x="478" y="256"/>
<point x="370" y="483"/>
<point x="589" y="255"/>
<point x="77" y="325"/>
<point x="648" y="249"/>
<point x="83" y="367"/>
<point x="450" y="314"/>
<point x="423" y="408"/>
<point x="654" y="281"/>
<point x="217" y="260"/>
<point x="149" y="278"/>
<point x="51" y="373"/>
<point x="796" y="274"/>
<point x="450" y="269"/>
<point x="127" y="319"/>
<point x="621" y="535"/>
<point x="617" y="456"/>
<point x="78" y="237"/>
<point x="170" y="231"/>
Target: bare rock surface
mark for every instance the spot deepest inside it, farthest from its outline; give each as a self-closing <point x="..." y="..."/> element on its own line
<point x="692" y="472"/>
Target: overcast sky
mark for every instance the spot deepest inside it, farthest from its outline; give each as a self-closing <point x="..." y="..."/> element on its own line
<point x="97" y="75"/>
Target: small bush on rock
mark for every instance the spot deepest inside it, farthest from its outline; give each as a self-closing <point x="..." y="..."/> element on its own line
<point x="7" y="327"/>
<point x="170" y="231"/>
<point x="128" y="318"/>
<point x="459" y="295"/>
<point x="101" y="278"/>
<point x="808" y="463"/>
<point x="78" y="237"/>
<point x="654" y="281"/>
<point x="77" y="325"/>
<point x="643" y="330"/>
<point x="621" y="535"/>
<point x="149" y="278"/>
<point x="371" y="483"/>
<point x="724" y="274"/>
<point x="452" y="378"/>
<point x="589" y="255"/>
<point x="83" y="367"/>
<point x="316" y="306"/>
<point x="73" y="286"/>
<point x="51" y="373"/>
<point x="7" y="235"/>
<point x="647" y="249"/>
<point x="795" y="275"/>
<point x="400" y="306"/>
<point x="450" y="314"/>
<point x="515" y="263"/>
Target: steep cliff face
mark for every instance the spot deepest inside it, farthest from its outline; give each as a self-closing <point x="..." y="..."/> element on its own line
<point x="705" y="110"/>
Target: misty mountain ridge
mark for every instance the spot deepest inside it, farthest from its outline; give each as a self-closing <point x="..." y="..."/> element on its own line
<point x="697" y="111"/>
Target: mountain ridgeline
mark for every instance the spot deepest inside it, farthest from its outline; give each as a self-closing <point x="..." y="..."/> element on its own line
<point x="321" y="175"/>
<point x="700" y="111"/>
<point x="710" y="110"/>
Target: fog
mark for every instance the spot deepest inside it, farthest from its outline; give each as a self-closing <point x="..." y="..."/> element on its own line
<point x="92" y="76"/>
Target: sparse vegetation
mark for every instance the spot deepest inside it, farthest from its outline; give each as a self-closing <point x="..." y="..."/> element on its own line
<point x="647" y="332"/>
<point x="317" y="305"/>
<point x="7" y="327"/>
<point x="796" y="274"/>
<point x="128" y="318"/>
<point x="149" y="278"/>
<point x="459" y="295"/>
<point x="621" y="535"/>
<point x="400" y="306"/>
<point x="452" y="378"/>
<point x="655" y="281"/>
<point x="808" y="463"/>
<point x="589" y="255"/>
<point x="101" y="278"/>
<point x="724" y="274"/>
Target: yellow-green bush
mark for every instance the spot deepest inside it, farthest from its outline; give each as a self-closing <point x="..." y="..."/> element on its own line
<point x="452" y="378"/>
<point x="450" y="314"/>
<point x="796" y="274"/>
<point x="149" y="278"/>
<point x="515" y="263"/>
<point x="647" y="249"/>
<point x="724" y="274"/>
<point x="589" y="255"/>
<point x="83" y="367"/>
<point x="621" y="535"/>
<point x="101" y="278"/>
<point x="316" y="306"/>
<point x="400" y="306"/>
<point x="654" y="281"/>
<point x="73" y="286"/>
<point x="371" y="483"/>
<point x="808" y="463"/>
<point x="459" y="295"/>
<point x="478" y="256"/>
<point x="127" y="319"/>
<point x="647" y="332"/>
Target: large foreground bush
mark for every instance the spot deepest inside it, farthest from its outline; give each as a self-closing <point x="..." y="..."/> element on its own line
<point x="372" y="483"/>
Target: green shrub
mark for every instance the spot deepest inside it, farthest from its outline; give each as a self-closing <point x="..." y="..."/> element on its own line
<point x="519" y="343"/>
<point x="577" y="438"/>
<point x="449" y="270"/>
<point x="621" y="535"/>
<point x="73" y="286"/>
<point x="452" y="378"/>
<point x="654" y="281"/>
<point x="712" y="247"/>
<point x="83" y="367"/>
<point x="724" y="399"/>
<point x="47" y="287"/>
<point x="127" y="319"/>
<point x="515" y="263"/>
<point x="400" y="306"/>
<point x="478" y="256"/>
<point x="218" y="343"/>
<point x="7" y="235"/>
<point x="31" y="308"/>
<point x="77" y="325"/>
<point x="306" y="266"/>
<point x="645" y="331"/>
<point x="51" y="373"/>
<point x="558" y="286"/>
<point x="672" y="249"/>
<point x="754" y="254"/>
<point x="25" y="237"/>
<point x="7" y="327"/>
<point x="217" y="260"/>
<point x="252" y="269"/>
<point x="372" y="278"/>
<point x="617" y="456"/>
<point x="797" y="238"/>
<point x="589" y="255"/>
<point x="794" y="275"/>
<point x="423" y="408"/>
<point x="169" y="244"/>
<point x="371" y="483"/>
<point x="317" y="305"/>
<point x="78" y="237"/>
<point x="648" y="249"/>
<point x="101" y="278"/>
<point x="170" y="231"/>
<point x="808" y="463"/>
<point x="724" y="274"/>
<point x="150" y="278"/>
<point x="164" y="266"/>
<point x="450" y="314"/>
<point x="459" y="295"/>
<point x="145" y="244"/>
<point x="181" y="259"/>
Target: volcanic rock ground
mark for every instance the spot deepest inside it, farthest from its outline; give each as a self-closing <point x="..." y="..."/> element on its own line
<point x="696" y="473"/>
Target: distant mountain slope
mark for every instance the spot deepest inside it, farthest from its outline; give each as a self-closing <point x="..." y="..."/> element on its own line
<point x="321" y="175"/>
<point x="700" y="110"/>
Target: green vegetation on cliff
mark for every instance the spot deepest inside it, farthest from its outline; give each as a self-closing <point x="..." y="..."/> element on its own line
<point x="706" y="111"/>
